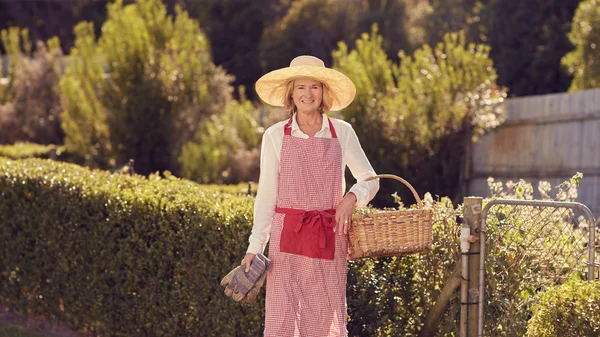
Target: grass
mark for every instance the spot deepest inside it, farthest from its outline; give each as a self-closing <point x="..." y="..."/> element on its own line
<point x="10" y="330"/>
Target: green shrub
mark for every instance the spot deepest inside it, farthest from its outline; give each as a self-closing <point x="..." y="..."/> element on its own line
<point x="140" y="95"/>
<point x="16" y="43"/>
<point x="30" y="106"/>
<point x="391" y="296"/>
<point x="225" y="148"/>
<point x="417" y="119"/>
<point x="119" y="255"/>
<point x="569" y="310"/>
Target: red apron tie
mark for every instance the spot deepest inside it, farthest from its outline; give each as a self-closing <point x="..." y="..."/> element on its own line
<point x="317" y="225"/>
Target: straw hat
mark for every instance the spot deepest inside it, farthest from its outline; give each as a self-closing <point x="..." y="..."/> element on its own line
<point x="271" y="86"/>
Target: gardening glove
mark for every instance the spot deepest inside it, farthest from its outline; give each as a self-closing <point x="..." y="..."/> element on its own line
<point x="238" y="283"/>
<point x="251" y="295"/>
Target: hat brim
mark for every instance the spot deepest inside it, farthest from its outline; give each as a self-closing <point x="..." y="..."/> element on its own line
<point x="271" y="86"/>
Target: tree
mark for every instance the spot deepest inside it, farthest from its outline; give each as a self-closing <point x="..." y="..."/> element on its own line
<point x="45" y="19"/>
<point x="140" y="95"/>
<point x="314" y="27"/>
<point x="584" y="62"/>
<point x="447" y="16"/>
<point x="528" y="39"/>
<point x="235" y="28"/>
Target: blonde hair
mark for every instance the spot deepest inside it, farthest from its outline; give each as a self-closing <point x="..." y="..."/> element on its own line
<point x="288" y="102"/>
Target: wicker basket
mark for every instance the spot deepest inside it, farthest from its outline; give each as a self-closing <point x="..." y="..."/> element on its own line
<point x="389" y="233"/>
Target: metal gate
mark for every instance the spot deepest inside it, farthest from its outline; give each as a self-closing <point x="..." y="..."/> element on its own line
<point x="526" y="246"/>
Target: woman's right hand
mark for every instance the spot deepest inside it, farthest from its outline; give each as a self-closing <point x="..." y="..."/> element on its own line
<point x="248" y="261"/>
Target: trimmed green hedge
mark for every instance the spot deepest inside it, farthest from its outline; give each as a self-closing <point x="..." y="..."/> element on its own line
<point x="121" y="255"/>
<point x="569" y="310"/>
<point x="27" y="150"/>
<point x="33" y="150"/>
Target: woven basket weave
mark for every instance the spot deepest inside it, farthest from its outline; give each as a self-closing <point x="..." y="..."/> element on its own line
<point x="390" y="233"/>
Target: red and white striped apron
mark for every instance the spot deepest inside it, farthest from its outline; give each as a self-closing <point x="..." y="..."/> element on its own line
<point x="306" y="296"/>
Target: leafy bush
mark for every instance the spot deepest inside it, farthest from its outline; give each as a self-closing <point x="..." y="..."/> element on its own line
<point x="568" y="310"/>
<point x="16" y="42"/>
<point x="391" y="296"/>
<point x="29" y="101"/>
<point x="36" y="96"/>
<point x="140" y="95"/>
<point x="582" y="62"/>
<point x="225" y="148"/>
<point x="121" y="256"/>
<point x="418" y="118"/>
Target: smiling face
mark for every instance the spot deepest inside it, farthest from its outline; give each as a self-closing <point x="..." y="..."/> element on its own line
<point x="307" y="95"/>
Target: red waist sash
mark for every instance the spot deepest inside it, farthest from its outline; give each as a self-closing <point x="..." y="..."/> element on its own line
<point x="308" y="233"/>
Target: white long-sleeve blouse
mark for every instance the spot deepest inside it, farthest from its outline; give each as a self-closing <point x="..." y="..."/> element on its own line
<point x="266" y="198"/>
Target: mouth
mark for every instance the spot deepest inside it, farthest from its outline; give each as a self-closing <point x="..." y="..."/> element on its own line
<point x="308" y="101"/>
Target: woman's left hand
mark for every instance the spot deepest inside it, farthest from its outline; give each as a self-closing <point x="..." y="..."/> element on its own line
<point x="343" y="214"/>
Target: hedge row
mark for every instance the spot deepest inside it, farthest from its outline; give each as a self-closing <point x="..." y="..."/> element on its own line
<point x="121" y="255"/>
<point x="33" y="150"/>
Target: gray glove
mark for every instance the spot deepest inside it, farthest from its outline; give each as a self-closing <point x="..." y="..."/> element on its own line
<point x="238" y="283"/>
<point x="251" y="295"/>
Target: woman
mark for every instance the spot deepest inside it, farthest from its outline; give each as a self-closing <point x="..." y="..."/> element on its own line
<point x="300" y="204"/>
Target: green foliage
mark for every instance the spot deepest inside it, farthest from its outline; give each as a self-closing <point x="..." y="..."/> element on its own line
<point x="122" y="256"/>
<point x="527" y="38"/>
<point x="84" y="118"/>
<point x="391" y="296"/>
<point x="568" y="310"/>
<point x="16" y="43"/>
<point x="416" y="119"/>
<point x="528" y="250"/>
<point x="241" y="23"/>
<point x="30" y="106"/>
<point x="330" y="21"/>
<point x="211" y="156"/>
<point x="36" y="98"/>
<point x="446" y="16"/>
<point x="140" y="95"/>
<point x="582" y="62"/>
<point x="287" y="38"/>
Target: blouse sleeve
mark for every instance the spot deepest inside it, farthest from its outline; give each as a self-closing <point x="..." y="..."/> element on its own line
<point x="266" y="196"/>
<point x="361" y="169"/>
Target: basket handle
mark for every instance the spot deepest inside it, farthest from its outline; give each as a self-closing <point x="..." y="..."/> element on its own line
<point x="391" y="176"/>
